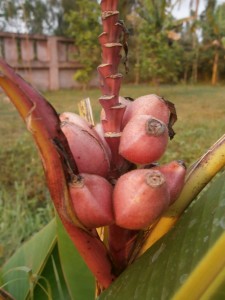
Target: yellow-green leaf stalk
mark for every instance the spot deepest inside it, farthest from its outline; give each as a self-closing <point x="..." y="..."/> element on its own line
<point x="198" y="176"/>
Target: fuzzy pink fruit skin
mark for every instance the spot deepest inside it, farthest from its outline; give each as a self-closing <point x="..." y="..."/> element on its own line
<point x="100" y="132"/>
<point x="140" y="147"/>
<point x="147" y="105"/>
<point x="136" y="203"/>
<point x="92" y="200"/>
<point x="88" y="151"/>
<point x="73" y="118"/>
<point x="174" y="173"/>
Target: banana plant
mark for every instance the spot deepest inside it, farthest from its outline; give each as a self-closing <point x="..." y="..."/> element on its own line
<point x="114" y="204"/>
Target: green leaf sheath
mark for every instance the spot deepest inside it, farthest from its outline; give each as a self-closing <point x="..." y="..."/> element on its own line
<point x="191" y="255"/>
<point x="30" y="259"/>
<point x="51" y="281"/>
<point x="80" y="281"/>
<point x="43" y="122"/>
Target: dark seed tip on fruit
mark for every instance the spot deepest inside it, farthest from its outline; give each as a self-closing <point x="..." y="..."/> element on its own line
<point x="155" y="178"/>
<point x="77" y="181"/>
<point x="155" y="127"/>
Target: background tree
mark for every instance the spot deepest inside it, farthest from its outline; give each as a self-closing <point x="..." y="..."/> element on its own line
<point x="84" y="27"/>
<point x="157" y="57"/>
<point x="213" y="32"/>
<point x="8" y="12"/>
<point x="125" y="7"/>
<point x="164" y="49"/>
<point x="35" y="16"/>
<point x="195" y="40"/>
<point x="60" y="8"/>
<point x="27" y="16"/>
<point x="188" y="53"/>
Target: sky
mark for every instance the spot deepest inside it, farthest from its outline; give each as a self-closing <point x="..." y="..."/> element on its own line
<point x="183" y="10"/>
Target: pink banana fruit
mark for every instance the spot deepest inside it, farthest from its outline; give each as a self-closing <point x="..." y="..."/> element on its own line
<point x="174" y="173"/>
<point x="147" y="105"/>
<point x="92" y="200"/>
<point x="144" y="139"/>
<point x="87" y="149"/>
<point x="139" y="198"/>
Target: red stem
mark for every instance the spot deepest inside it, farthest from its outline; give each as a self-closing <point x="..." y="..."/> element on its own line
<point x="43" y="122"/>
<point x="120" y="240"/>
<point x="94" y="253"/>
<point x="120" y="244"/>
<point x="110" y="79"/>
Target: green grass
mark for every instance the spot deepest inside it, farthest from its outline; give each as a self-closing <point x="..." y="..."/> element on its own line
<point x="24" y="200"/>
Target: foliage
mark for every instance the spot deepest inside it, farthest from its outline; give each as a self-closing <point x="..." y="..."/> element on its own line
<point x="22" y="150"/>
<point x="187" y="261"/>
<point x="20" y="273"/>
<point x="20" y="217"/>
<point x="125" y="7"/>
<point x="8" y="11"/>
<point x="25" y="205"/>
<point x="158" y="58"/>
<point x="35" y="16"/>
<point x="74" y="267"/>
<point x="36" y="210"/>
<point x="50" y="267"/>
<point x="181" y="261"/>
<point x="155" y="57"/>
<point x="59" y="9"/>
<point x="159" y="61"/>
<point x="213" y="26"/>
<point x="33" y="259"/>
<point x="84" y="27"/>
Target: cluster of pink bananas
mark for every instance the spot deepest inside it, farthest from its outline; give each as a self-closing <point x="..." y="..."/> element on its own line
<point x="137" y="196"/>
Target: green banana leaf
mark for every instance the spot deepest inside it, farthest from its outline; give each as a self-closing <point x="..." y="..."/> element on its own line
<point x="79" y="279"/>
<point x="18" y="275"/>
<point x="51" y="283"/>
<point x="187" y="263"/>
<point x="48" y="266"/>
